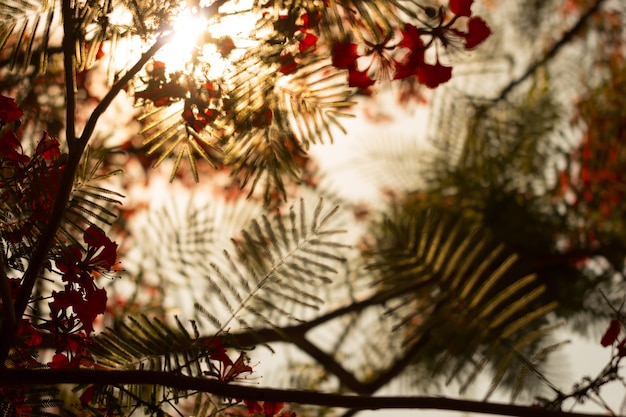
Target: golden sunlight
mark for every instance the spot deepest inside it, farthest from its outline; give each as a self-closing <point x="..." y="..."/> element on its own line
<point x="190" y="29"/>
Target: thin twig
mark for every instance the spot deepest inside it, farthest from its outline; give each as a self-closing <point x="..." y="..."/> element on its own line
<point x="565" y="39"/>
<point x="118" y="87"/>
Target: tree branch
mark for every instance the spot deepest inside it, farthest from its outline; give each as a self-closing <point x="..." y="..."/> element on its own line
<point x="17" y="377"/>
<point x="330" y="364"/>
<point x="69" y="61"/>
<point x="106" y="101"/>
<point x="565" y="39"/>
<point x="5" y="294"/>
<point x="46" y="240"/>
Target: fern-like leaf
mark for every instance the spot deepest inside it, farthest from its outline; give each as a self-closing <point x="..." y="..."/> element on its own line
<point x="148" y="344"/>
<point x="314" y="99"/>
<point x="461" y="297"/>
<point x="90" y="203"/>
<point x="278" y="265"/>
<point x="25" y="27"/>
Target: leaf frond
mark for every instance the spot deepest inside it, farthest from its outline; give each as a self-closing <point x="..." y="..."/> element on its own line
<point x="148" y="344"/>
<point x="276" y="268"/>
<point x="461" y="295"/>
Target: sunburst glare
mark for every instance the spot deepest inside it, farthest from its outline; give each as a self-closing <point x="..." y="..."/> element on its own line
<point x="189" y="29"/>
<point x="192" y="29"/>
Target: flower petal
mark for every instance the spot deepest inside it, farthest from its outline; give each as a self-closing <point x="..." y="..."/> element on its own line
<point x="434" y="75"/>
<point x="477" y="32"/>
<point x="344" y="55"/>
<point x="461" y="7"/>
<point x="610" y="336"/>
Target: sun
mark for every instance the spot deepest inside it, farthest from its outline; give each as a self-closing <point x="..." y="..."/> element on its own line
<point x="191" y="30"/>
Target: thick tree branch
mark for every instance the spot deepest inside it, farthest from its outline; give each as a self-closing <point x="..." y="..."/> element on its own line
<point x="567" y="37"/>
<point x="46" y="240"/>
<point x="5" y="294"/>
<point x="16" y="377"/>
<point x="69" y="65"/>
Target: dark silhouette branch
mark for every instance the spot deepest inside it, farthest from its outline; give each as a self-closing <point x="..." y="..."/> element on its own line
<point x="117" y="88"/>
<point x="5" y="294"/>
<point x="567" y="37"/>
<point x="69" y="65"/>
<point x="46" y="240"/>
<point x="16" y="377"/>
<point x="330" y="364"/>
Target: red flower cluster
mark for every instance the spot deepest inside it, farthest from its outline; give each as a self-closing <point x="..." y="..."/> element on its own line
<point x="226" y="370"/>
<point x="160" y="90"/>
<point x="201" y="102"/>
<point x="29" y="183"/>
<point x="594" y="183"/>
<point x="81" y="294"/>
<point x="301" y="30"/>
<point x="407" y="58"/>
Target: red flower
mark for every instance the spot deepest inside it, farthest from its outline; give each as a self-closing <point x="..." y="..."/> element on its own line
<point x="411" y="38"/>
<point x="87" y="396"/>
<point x="477" y="32"/>
<point x="268" y="408"/>
<point x="9" y="110"/>
<point x="100" y="257"/>
<point x="48" y="148"/>
<point x="287" y="64"/>
<point x="307" y="42"/>
<point x="86" y="304"/>
<point x="239" y="367"/>
<point x="433" y="75"/>
<point x="59" y="361"/>
<point x="461" y="7"/>
<point x="610" y="336"/>
<point x="271" y="408"/>
<point x="217" y="351"/>
<point x="28" y="334"/>
<point x="359" y="79"/>
<point x="225" y="45"/>
<point x="95" y="239"/>
<point x="81" y="293"/>
<point x="11" y="149"/>
<point x="253" y="407"/>
<point x="344" y="55"/>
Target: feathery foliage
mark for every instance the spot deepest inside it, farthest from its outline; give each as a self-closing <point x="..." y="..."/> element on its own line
<point x="464" y="265"/>
<point x="277" y="267"/>
<point x="458" y="297"/>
